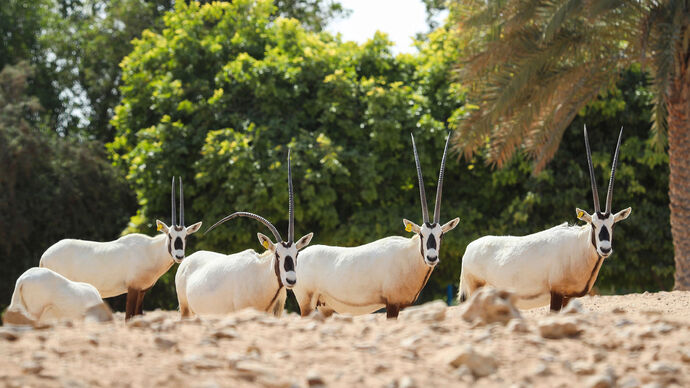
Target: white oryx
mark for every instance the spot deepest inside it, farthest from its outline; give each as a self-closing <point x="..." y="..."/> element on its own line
<point x="389" y="272"/>
<point x="553" y="265"/>
<point x="41" y="295"/>
<point x="215" y="283"/>
<point x="131" y="264"/>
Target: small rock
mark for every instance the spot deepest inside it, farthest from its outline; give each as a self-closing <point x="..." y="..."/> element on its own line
<point x="647" y="333"/>
<point x="480" y="365"/>
<point x="541" y="370"/>
<point x="164" y="343"/>
<point x="93" y="340"/>
<point x="8" y="335"/>
<point x="226" y="333"/>
<point x="559" y="327"/>
<point x="629" y="382"/>
<point x="517" y="326"/>
<point x="618" y="310"/>
<point x="407" y="382"/>
<point x="32" y="367"/>
<point x="200" y="362"/>
<point x="573" y="307"/>
<point x="138" y="321"/>
<point x="685" y="355"/>
<point x="317" y="316"/>
<point x="342" y="317"/>
<point x="314" y="379"/>
<point x="598" y="356"/>
<point x="489" y="305"/>
<point x="600" y="381"/>
<point x="661" y="368"/>
<point x="663" y="328"/>
<point x="623" y="322"/>
<point x="582" y="368"/>
<point x="428" y="312"/>
<point x="411" y="342"/>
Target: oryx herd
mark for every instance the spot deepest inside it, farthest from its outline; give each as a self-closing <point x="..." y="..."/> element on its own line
<point x="547" y="267"/>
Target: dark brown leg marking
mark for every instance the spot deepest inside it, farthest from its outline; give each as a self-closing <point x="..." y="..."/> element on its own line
<point x="556" y="301"/>
<point x="566" y="300"/>
<point x="140" y="302"/>
<point x="392" y="311"/>
<point x="132" y="297"/>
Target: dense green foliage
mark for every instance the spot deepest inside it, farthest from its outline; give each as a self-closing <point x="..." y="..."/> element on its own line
<point x="52" y="188"/>
<point x="221" y="93"/>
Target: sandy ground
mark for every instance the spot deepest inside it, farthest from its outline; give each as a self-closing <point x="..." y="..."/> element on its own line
<point x="625" y="341"/>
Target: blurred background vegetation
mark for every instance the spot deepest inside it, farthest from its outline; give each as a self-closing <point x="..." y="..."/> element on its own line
<point x="101" y="102"/>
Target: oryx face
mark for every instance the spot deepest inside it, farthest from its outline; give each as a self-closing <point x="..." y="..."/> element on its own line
<point x="602" y="222"/>
<point x="431" y="232"/>
<point x="430" y="237"/>
<point x="602" y="228"/>
<point x="177" y="233"/>
<point x="285" y="254"/>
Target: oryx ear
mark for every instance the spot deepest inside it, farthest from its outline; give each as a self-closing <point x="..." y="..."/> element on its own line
<point x="583" y="215"/>
<point x="266" y="242"/>
<point x="621" y="215"/>
<point x="304" y="241"/>
<point x="450" y="225"/>
<point x="193" y="228"/>
<point x="161" y="226"/>
<point x="411" y="226"/>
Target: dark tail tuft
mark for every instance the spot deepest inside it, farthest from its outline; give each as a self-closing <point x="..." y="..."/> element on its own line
<point x="463" y="297"/>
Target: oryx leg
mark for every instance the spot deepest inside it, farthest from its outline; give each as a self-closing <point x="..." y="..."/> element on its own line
<point x="566" y="300"/>
<point x="140" y="302"/>
<point x="556" y="301"/>
<point x="307" y="304"/>
<point x="392" y="311"/>
<point x="131" y="306"/>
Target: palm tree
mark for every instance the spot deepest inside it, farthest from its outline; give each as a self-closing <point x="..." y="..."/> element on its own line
<point x="530" y="66"/>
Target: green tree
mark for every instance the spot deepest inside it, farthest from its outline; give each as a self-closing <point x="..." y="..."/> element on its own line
<point x="52" y="188"/>
<point x="532" y="66"/>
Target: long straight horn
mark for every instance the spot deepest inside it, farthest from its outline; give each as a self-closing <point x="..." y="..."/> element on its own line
<point x="181" y="204"/>
<point x="422" y="194"/>
<point x="609" y="194"/>
<point x="291" y="208"/>
<point x="439" y="186"/>
<point x="595" y="193"/>
<point x="172" y="199"/>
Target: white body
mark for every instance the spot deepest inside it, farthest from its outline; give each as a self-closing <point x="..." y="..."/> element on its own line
<point x="363" y="279"/>
<point x="214" y="283"/>
<point x="560" y="259"/>
<point x="43" y="295"/>
<point x="133" y="261"/>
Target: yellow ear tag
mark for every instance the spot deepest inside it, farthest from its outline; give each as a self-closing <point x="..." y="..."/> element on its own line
<point x="408" y="228"/>
<point x="580" y="214"/>
<point x="159" y="227"/>
<point x="265" y="244"/>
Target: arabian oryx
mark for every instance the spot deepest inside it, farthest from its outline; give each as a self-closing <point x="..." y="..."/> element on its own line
<point x="390" y="272"/>
<point x="553" y="265"/>
<point x="215" y="283"/>
<point x="41" y="295"/>
<point x="131" y="264"/>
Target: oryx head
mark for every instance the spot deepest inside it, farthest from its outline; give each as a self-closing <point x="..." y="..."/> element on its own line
<point x="177" y="233"/>
<point x="602" y="222"/>
<point x="285" y="252"/>
<point x="430" y="233"/>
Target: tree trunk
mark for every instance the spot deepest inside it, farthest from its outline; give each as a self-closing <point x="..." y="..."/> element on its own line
<point x="678" y="103"/>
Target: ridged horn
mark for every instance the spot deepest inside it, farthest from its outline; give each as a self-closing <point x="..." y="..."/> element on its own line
<point x="439" y="186"/>
<point x="422" y="193"/>
<point x="595" y="192"/>
<point x="172" y="199"/>
<point x="291" y="205"/>
<point x="609" y="194"/>
<point x="250" y="215"/>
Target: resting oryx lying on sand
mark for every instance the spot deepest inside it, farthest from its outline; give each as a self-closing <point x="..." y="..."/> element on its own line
<point x="215" y="283"/>
<point x="41" y="295"/>
<point x="553" y="265"/>
<point x="131" y="264"/>
<point x="389" y="272"/>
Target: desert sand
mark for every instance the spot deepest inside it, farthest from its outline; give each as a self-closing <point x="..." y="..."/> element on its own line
<point x="604" y="341"/>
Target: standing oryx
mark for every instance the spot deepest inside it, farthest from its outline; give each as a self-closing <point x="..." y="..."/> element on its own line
<point x="389" y="272"/>
<point x="553" y="265"/>
<point x="214" y="283"/>
<point x="131" y="264"/>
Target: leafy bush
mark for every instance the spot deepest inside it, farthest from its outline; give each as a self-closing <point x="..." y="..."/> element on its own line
<point x="221" y="93"/>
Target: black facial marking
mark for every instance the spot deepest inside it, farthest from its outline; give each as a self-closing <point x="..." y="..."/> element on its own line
<point x="431" y="242"/>
<point x="178" y="228"/>
<point x="178" y="243"/>
<point x="604" y="234"/>
<point x="594" y="239"/>
<point x="289" y="264"/>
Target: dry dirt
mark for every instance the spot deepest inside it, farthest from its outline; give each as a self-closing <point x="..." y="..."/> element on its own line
<point x="625" y="341"/>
